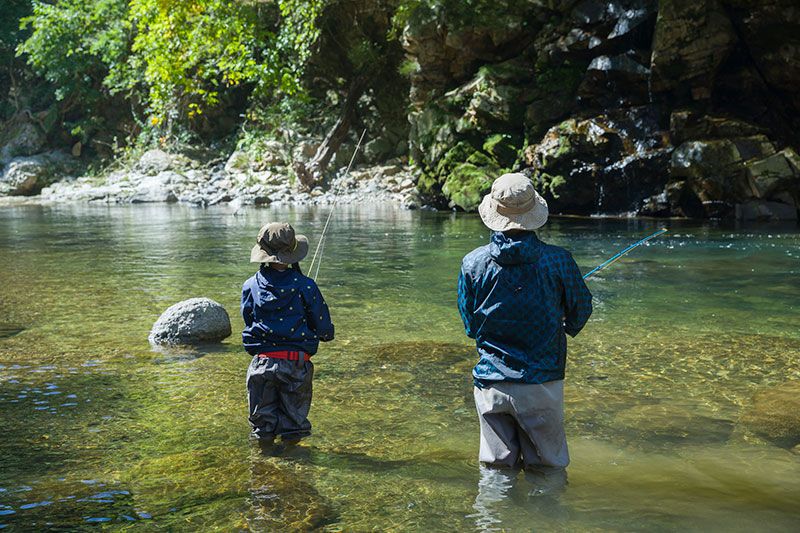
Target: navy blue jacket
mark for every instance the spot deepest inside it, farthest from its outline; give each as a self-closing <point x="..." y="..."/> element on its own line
<point x="283" y="311"/>
<point x="512" y="296"/>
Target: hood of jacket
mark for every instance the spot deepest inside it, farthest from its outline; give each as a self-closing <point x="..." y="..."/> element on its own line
<point x="515" y="249"/>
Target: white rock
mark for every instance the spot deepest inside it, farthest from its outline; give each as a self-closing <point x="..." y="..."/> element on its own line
<point x="191" y="321"/>
<point x="154" y="161"/>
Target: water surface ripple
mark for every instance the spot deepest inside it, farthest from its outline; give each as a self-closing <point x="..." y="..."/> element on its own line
<point x="97" y="428"/>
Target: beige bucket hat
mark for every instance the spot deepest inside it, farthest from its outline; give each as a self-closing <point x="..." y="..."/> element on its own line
<point x="277" y="243"/>
<point x="513" y="204"/>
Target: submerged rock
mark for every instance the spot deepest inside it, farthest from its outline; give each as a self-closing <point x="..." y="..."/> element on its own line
<point x="191" y="321"/>
<point x="670" y="423"/>
<point x="775" y="414"/>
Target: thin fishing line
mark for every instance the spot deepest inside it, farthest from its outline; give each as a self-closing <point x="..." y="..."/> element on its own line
<point x="321" y="251"/>
<point x="623" y="252"/>
<point x="333" y="207"/>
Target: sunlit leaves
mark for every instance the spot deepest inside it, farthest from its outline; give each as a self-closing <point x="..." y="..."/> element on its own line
<point x="176" y="58"/>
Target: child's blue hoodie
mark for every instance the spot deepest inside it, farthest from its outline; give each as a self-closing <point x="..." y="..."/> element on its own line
<point x="283" y="311"/>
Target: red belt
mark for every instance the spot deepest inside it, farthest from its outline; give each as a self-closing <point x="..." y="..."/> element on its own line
<point x="291" y="356"/>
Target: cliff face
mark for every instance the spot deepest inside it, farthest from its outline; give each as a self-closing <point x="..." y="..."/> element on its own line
<point x="632" y="106"/>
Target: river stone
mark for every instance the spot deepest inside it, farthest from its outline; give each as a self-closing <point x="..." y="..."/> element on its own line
<point x="24" y="139"/>
<point x="775" y="414"/>
<point x="26" y="176"/>
<point x="191" y="321"/>
<point x="154" y="161"/>
<point x="157" y="188"/>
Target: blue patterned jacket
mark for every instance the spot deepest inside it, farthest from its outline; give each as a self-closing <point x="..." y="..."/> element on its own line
<point x="518" y="297"/>
<point x="283" y="311"/>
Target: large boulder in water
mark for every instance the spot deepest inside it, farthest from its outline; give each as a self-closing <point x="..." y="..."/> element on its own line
<point x="192" y="321"/>
<point x="775" y="414"/>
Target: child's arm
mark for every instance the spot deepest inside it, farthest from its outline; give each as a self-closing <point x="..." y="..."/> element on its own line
<point x="317" y="314"/>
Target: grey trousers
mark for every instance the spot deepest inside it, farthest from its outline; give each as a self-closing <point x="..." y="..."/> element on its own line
<point x="522" y="423"/>
<point x="279" y="397"/>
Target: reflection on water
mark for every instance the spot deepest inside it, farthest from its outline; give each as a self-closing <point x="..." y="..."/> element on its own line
<point x="98" y="428"/>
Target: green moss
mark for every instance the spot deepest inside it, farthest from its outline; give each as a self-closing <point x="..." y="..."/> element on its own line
<point x="548" y="183"/>
<point x="502" y="148"/>
<point x="561" y="79"/>
<point x="466" y="185"/>
<point x="427" y="184"/>
<point x="479" y="159"/>
<point x="459" y="153"/>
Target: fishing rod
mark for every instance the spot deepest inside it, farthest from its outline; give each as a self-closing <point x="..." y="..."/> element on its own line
<point x="320" y="245"/>
<point x="623" y="252"/>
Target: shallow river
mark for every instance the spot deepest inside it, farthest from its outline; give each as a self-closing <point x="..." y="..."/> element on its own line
<point x="96" y="427"/>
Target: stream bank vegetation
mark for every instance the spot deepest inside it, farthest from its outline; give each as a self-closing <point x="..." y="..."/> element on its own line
<point x="629" y="106"/>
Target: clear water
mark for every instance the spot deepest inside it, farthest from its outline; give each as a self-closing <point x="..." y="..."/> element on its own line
<point x="96" y="427"/>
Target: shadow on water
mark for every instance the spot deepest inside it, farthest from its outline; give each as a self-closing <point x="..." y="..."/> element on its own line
<point x="9" y="330"/>
<point x="282" y="499"/>
<point x="180" y="353"/>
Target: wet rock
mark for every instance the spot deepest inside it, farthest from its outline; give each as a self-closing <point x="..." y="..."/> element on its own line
<point x="691" y="41"/>
<point x="765" y="211"/>
<point x="283" y="500"/>
<point x="773" y="174"/>
<point x="9" y="330"/>
<point x="26" y="176"/>
<point x="715" y="168"/>
<point x="775" y="414"/>
<point x="677" y="200"/>
<point x="153" y="162"/>
<point x="605" y="77"/>
<point x="671" y="423"/>
<point x="158" y="188"/>
<point x="192" y="321"/>
<point x="688" y="125"/>
<point x="606" y="164"/>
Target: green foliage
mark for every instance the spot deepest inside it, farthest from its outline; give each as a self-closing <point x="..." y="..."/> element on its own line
<point x="10" y="33"/>
<point x="74" y="43"/>
<point x="184" y="53"/>
<point x="174" y="59"/>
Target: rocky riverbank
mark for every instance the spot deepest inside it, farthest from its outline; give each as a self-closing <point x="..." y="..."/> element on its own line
<point x="161" y="177"/>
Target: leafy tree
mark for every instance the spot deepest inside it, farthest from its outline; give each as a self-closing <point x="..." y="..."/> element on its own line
<point x="74" y="44"/>
<point x="173" y="59"/>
